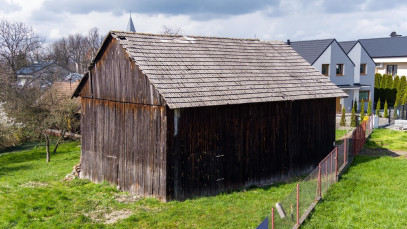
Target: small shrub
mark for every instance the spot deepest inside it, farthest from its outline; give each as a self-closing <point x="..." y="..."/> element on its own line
<point x="378" y="108"/>
<point x="386" y="110"/>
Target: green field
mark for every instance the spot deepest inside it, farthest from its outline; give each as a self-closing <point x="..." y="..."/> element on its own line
<point x="372" y="193"/>
<point x="34" y="195"/>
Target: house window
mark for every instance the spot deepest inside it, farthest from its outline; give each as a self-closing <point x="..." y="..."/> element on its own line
<point x="363" y="69"/>
<point x="339" y="69"/>
<point x="364" y="95"/>
<point x="325" y="69"/>
<point x="391" y="70"/>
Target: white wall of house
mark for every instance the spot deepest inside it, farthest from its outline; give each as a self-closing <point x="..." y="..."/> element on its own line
<point x="401" y="63"/>
<point x="359" y="56"/>
<point x="325" y="58"/>
<point x="338" y="56"/>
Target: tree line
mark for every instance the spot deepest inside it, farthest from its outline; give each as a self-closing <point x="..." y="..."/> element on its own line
<point x="28" y="112"/>
<point x="390" y="89"/>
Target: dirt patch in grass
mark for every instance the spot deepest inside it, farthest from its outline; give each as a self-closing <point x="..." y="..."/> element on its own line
<point x="34" y="184"/>
<point x="382" y="152"/>
<point x="111" y="217"/>
<point x="125" y="198"/>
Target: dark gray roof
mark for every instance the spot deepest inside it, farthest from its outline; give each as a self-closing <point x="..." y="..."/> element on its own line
<point x="208" y="71"/>
<point x="311" y="50"/>
<point x="347" y="45"/>
<point x="385" y="47"/>
<point x="33" y="68"/>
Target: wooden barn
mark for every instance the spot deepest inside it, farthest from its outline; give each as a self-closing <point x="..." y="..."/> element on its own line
<point x="176" y="117"/>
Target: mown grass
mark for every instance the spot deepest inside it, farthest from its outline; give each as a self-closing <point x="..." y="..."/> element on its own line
<point x="34" y="195"/>
<point x="388" y="139"/>
<point x="372" y="193"/>
<point x="340" y="133"/>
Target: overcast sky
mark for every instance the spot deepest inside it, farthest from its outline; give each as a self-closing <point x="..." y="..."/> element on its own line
<point x="264" y="19"/>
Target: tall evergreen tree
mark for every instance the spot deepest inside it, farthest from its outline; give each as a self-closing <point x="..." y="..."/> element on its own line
<point x="377" y="80"/>
<point x="389" y="81"/>
<point x="378" y="108"/>
<point x="353" y="116"/>
<point x="383" y="81"/>
<point x="396" y="82"/>
<point x="362" y="110"/>
<point x="343" y="119"/>
<point x="369" y="108"/>
<point x="386" y="110"/>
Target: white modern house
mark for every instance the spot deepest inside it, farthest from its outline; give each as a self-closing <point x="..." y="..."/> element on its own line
<point x="328" y="57"/>
<point x="389" y="53"/>
<point x="364" y="71"/>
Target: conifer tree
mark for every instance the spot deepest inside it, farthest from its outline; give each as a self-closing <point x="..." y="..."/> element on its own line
<point x="383" y="81"/>
<point x="377" y="80"/>
<point x="362" y="110"/>
<point x="353" y="116"/>
<point x="396" y="82"/>
<point x="378" y="108"/>
<point x="386" y="110"/>
<point x="389" y="82"/>
<point x="343" y="119"/>
<point x="369" y="108"/>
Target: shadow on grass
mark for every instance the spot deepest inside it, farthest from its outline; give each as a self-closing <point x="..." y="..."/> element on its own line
<point x="9" y="169"/>
<point x="21" y="147"/>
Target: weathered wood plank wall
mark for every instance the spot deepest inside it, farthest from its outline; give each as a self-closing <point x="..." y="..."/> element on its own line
<point x="123" y="144"/>
<point x="123" y="126"/>
<point x="214" y="149"/>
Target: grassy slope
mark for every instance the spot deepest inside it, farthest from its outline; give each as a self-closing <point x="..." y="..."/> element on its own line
<point x="371" y="194"/>
<point x="32" y="194"/>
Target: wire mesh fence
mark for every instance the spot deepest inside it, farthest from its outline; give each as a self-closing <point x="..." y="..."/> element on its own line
<point x="294" y="208"/>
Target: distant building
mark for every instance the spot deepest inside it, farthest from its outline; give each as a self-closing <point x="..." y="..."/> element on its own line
<point x="41" y="74"/>
<point x="130" y="25"/>
<point x="389" y="53"/>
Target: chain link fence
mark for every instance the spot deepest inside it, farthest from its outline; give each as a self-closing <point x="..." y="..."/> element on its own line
<point x="293" y="209"/>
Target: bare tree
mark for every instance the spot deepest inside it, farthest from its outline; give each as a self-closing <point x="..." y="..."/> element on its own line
<point x="76" y="52"/>
<point x="18" y="45"/>
<point x="170" y="30"/>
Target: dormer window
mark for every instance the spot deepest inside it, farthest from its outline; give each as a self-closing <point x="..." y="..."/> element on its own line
<point x="325" y="69"/>
<point x="339" y="69"/>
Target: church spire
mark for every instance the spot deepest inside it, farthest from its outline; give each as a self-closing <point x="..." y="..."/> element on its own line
<point x="130" y="25"/>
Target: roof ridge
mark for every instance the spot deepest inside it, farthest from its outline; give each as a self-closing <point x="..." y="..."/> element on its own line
<point x="182" y="35"/>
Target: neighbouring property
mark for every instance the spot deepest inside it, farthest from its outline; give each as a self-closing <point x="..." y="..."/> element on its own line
<point x="181" y="116"/>
<point x="389" y="54"/>
<point x="42" y="75"/>
<point x="346" y="64"/>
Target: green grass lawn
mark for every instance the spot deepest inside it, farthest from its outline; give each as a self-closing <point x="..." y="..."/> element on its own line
<point x="340" y="133"/>
<point x="372" y="193"/>
<point x="388" y="139"/>
<point x="34" y="195"/>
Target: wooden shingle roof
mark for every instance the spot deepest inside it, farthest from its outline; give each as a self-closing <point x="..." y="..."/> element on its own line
<point x="207" y="71"/>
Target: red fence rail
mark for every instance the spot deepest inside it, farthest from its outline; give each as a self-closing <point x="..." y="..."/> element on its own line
<point x="296" y="206"/>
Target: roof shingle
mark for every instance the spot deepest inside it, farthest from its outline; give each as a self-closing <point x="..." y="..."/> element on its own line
<point x="204" y="71"/>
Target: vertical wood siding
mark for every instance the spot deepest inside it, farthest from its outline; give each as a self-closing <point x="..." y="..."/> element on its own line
<point x="124" y="144"/>
<point x="226" y="147"/>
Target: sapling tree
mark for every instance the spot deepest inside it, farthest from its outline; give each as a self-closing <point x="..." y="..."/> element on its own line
<point x="362" y="110"/>
<point x="353" y="116"/>
<point x="369" y="108"/>
<point x="386" y="110"/>
<point x="378" y="108"/>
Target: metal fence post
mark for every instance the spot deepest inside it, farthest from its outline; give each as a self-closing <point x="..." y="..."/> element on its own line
<point x="298" y="204"/>
<point x="336" y="164"/>
<point x="344" y="152"/>
<point x="272" y="218"/>
<point x="318" y="195"/>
